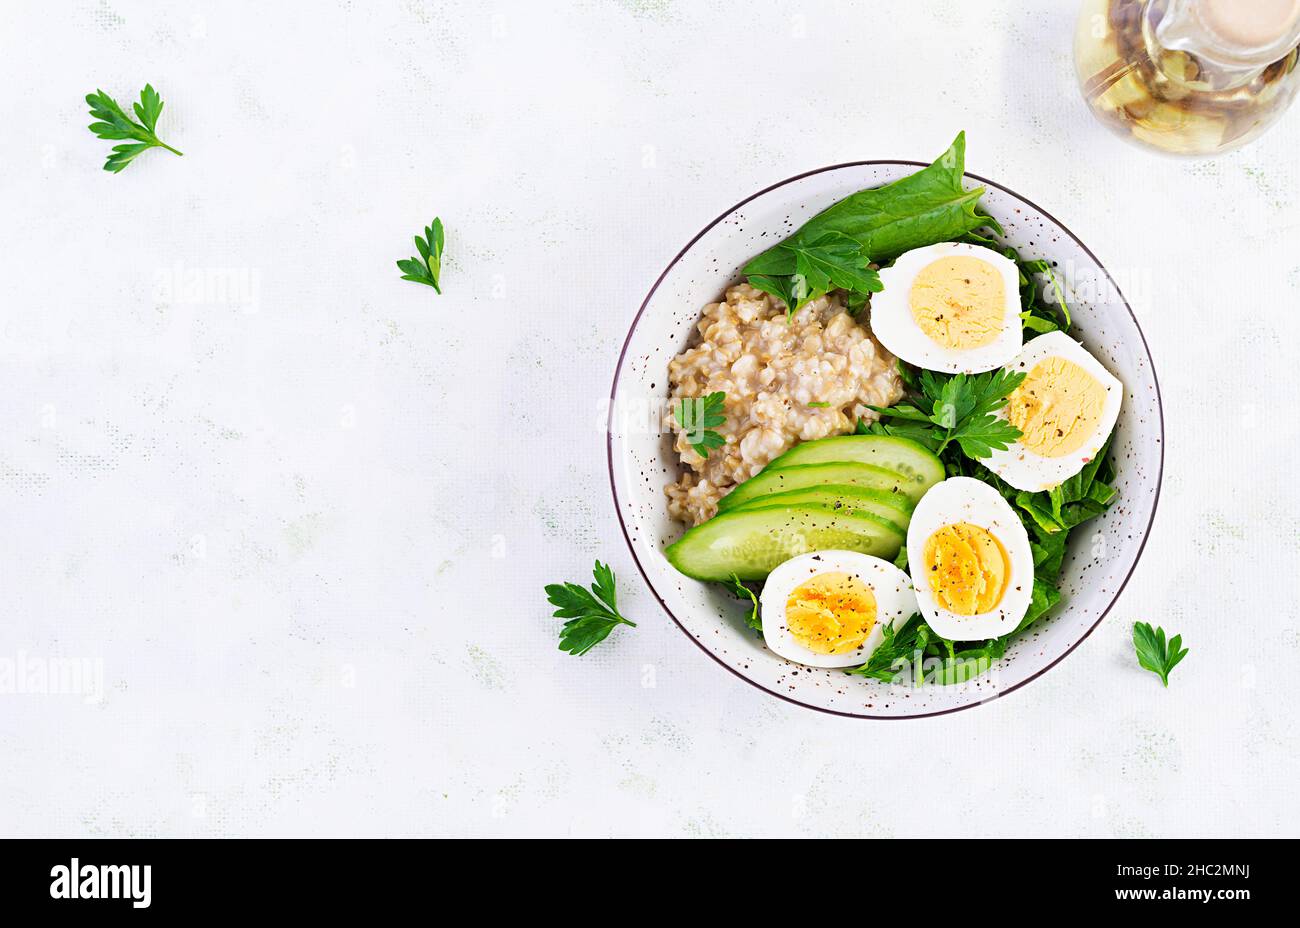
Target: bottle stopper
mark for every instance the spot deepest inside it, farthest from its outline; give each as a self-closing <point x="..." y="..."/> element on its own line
<point x="1251" y="24"/>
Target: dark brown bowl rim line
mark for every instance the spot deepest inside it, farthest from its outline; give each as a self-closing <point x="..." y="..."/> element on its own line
<point x="609" y="445"/>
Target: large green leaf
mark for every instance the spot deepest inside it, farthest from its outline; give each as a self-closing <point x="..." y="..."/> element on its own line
<point x="921" y="209"/>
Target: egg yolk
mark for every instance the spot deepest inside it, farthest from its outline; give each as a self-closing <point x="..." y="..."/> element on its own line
<point x="959" y="302"/>
<point x="831" y="613"/>
<point x="1057" y="407"/>
<point x="968" y="568"/>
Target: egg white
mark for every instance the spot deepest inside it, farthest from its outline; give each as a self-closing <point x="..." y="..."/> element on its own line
<point x="894" y="326"/>
<point x="895" y="603"/>
<point x="1024" y="469"/>
<point x="964" y="499"/>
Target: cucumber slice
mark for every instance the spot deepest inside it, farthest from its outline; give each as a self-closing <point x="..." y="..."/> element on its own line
<point x="893" y="507"/>
<point x="751" y="543"/>
<point x="803" y="476"/>
<point x="914" y="461"/>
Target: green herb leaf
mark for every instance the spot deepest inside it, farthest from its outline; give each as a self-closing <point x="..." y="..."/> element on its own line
<point x="427" y="268"/>
<point x="149" y="108"/>
<point x="698" y="416"/>
<point x="925" y="434"/>
<point x="980" y="436"/>
<point x="1049" y="553"/>
<point x="1037" y="324"/>
<point x="788" y="289"/>
<point x="833" y="261"/>
<point x="1153" y="653"/>
<point x="855" y="302"/>
<point x="740" y="591"/>
<point x="113" y="123"/>
<point x="991" y="389"/>
<point x="1058" y="293"/>
<point x="905" y="411"/>
<point x="909" y="375"/>
<point x="968" y="663"/>
<point x="592" y="614"/>
<point x="960" y="409"/>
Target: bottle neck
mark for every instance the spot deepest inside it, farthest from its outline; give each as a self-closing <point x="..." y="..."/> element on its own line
<point x="1232" y="40"/>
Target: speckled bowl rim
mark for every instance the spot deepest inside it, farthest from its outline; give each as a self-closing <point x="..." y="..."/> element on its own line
<point x="618" y="509"/>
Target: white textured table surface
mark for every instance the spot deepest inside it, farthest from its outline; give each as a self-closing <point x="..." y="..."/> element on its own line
<point x="299" y="513"/>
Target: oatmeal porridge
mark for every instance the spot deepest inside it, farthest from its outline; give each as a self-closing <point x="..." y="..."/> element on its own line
<point x="785" y="382"/>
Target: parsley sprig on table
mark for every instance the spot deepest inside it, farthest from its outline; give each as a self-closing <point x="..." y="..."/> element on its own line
<point x="698" y="416"/>
<point x="426" y="269"/>
<point x="1153" y="653"/>
<point x="113" y="123"/>
<point x="957" y="409"/>
<point x="592" y="614"/>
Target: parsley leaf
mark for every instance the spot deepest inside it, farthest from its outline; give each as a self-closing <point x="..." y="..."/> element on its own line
<point x="426" y="269"/>
<point x="592" y="615"/>
<point x="698" y="415"/>
<point x="921" y="434"/>
<point x="740" y="591"/>
<point x="113" y="123"/>
<point x="957" y="409"/>
<point x="1153" y="653"/>
<point x="835" y="261"/>
<point x="832" y="262"/>
<point x="981" y="435"/>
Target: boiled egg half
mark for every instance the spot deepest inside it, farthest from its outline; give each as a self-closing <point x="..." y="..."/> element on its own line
<point x="831" y="608"/>
<point x="970" y="559"/>
<point x="950" y="307"/>
<point x="1065" y="408"/>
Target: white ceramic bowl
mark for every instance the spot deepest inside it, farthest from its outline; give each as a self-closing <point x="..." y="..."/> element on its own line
<point x="1102" y="554"/>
